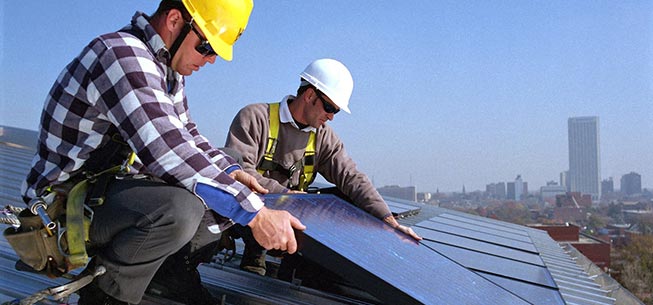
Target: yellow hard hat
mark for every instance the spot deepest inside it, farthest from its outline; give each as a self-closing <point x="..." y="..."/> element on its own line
<point x="222" y="21"/>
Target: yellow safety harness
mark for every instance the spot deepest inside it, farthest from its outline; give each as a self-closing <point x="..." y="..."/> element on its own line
<point x="306" y="165"/>
<point x="77" y="207"/>
<point x="77" y="225"/>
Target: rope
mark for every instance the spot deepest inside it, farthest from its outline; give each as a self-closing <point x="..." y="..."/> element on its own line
<point x="63" y="291"/>
<point x="9" y="216"/>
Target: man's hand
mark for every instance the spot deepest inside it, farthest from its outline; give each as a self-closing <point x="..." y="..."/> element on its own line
<point x="406" y="230"/>
<point x="273" y="229"/>
<point x="248" y="180"/>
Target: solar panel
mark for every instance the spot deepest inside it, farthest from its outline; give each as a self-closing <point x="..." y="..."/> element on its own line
<point x="479" y="227"/>
<point x="398" y="207"/>
<point x="380" y="260"/>
<point x="532" y="293"/>
<point x="478" y="235"/>
<point x="479" y="246"/>
<point x="496" y="265"/>
<point x="483" y="223"/>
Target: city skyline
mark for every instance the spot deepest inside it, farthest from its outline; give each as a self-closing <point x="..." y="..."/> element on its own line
<point x="445" y="94"/>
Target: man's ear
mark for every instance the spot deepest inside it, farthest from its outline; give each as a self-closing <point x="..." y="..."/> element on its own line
<point x="308" y="94"/>
<point x="174" y="20"/>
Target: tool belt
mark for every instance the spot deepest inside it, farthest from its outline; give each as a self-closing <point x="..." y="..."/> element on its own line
<point x="56" y="250"/>
<point x="36" y="245"/>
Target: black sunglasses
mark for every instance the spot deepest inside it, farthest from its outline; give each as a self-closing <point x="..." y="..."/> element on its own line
<point x="327" y="106"/>
<point x="204" y="47"/>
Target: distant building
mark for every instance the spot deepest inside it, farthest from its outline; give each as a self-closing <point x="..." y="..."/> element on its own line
<point x="584" y="156"/>
<point x="564" y="180"/>
<point x="516" y="190"/>
<point x="510" y="191"/>
<point x="496" y="190"/>
<point x="423" y="197"/>
<point x="631" y="184"/>
<point x="395" y="191"/>
<point x="574" y="199"/>
<point x="572" y="207"/>
<point x="519" y="187"/>
<point x="607" y="186"/>
<point x="551" y="190"/>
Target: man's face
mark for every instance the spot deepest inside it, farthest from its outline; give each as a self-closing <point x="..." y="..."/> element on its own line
<point x="188" y="57"/>
<point x="322" y="109"/>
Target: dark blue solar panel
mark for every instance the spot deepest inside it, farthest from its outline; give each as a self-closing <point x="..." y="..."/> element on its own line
<point x="400" y="208"/>
<point x="478" y="227"/>
<point x="481" y="222"/>
<point x="474" y="234"/>
<point x="479" y="246"/>
<point x="397" y="207"/>
<point x="496" y="265"/>
<point x="380" y="260"/>
<point x="534" y="294"/>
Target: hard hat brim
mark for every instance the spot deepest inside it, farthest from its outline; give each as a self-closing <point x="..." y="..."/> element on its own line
<point x="224" y="50"/>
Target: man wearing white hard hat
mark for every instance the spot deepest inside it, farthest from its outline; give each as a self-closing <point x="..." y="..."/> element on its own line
<point x="284" y="145"/>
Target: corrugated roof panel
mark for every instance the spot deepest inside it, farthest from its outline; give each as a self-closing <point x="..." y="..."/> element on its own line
<point x="574" y="283"/>
<point x="593" y="287"/>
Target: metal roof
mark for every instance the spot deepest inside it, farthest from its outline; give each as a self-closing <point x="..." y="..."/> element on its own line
<point x="463" y="257"/>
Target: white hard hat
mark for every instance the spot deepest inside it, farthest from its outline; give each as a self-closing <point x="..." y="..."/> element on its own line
<point x="332" y="78"/>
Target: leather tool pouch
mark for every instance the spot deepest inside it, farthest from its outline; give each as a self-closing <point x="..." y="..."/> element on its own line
<point x="38" y="248"/>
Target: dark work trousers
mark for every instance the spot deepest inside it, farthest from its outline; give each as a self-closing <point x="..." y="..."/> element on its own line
<point x="140" y="224"/>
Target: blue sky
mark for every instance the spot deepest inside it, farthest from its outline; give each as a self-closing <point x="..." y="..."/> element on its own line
<point x="446" y="93"/>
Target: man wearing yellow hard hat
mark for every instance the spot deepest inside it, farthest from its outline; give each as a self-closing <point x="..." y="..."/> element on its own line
<point x="124" y="96"/>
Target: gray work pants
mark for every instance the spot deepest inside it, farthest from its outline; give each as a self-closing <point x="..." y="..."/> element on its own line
<point x="140" y="224"/>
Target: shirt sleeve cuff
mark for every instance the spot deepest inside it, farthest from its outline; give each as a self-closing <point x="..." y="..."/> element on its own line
<point x="232" y="168"/>
<point x="223" y="203"/>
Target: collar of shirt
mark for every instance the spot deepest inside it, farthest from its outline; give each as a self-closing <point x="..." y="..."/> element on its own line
<point x="286" y="117"/>
<point x="141" y="23"/>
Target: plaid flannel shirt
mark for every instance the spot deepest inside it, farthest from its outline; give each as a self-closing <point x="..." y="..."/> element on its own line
<point x="121" y="83"/>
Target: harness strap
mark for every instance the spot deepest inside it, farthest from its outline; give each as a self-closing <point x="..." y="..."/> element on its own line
<point x="307" y="176"/>
<point x="267" y="163"/>
<point x="77" y="224"/>
<point x="305" y="165"/>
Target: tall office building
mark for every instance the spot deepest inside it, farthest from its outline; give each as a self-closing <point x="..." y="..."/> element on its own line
<point x="584" y="156"/>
